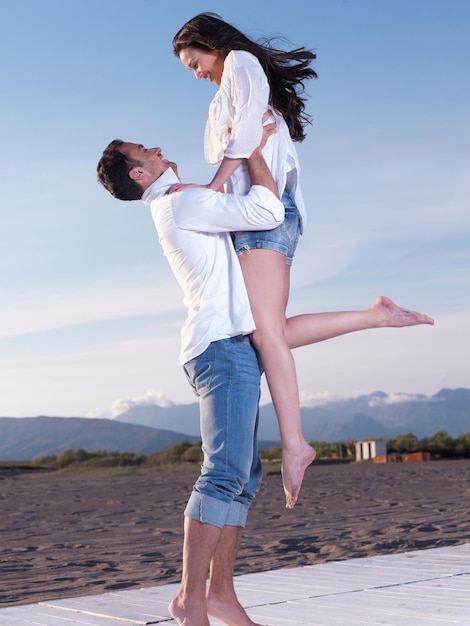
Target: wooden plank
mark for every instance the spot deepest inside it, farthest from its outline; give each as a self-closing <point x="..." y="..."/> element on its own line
<point x="35" y="615"/>
<point x="333" y="616"/>
<point x="139" y="606"/>
<point x="396" y="607"/>
<point x="424" y="588"/>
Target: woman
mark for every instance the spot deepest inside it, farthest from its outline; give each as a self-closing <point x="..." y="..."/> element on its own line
<point x="257" y="81"/>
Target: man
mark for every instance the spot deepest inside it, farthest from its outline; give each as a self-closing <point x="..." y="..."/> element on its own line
<point x="194" y="228"/>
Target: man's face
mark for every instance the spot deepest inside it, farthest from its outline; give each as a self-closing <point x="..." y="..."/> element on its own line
<point x="208" y="65"/>
<point x="153" y="162"/>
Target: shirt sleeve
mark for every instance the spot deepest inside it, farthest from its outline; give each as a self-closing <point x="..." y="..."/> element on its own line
<point x="210" y="211"/>
<point x="249" y="93"/>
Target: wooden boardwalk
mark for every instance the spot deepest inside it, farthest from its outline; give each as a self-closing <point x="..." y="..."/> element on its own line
<point x="423" y="588"/>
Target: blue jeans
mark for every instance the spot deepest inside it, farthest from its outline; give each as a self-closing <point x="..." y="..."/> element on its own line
<point x="226" y="378"/>
<point x="284" y="238"/>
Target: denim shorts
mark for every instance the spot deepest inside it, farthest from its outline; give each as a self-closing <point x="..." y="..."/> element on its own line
<point x="284" y="238"/>
<point x="226" y="378"/>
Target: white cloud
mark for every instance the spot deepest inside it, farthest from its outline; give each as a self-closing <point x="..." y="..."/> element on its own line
<point x="319" y="398"/>
<point x="87" y="381"/>
<point x="108" y="299"/>
<point x="325" y="251"/>
<point x="398" y="398"/>
<point x="149" y="398"/>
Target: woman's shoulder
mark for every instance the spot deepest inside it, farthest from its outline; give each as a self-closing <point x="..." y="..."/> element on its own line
<point x="241" y="58"/>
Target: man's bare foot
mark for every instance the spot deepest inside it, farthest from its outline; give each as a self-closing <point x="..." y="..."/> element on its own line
<point x="392" y="316"/>
<point x="293" y="469"/>
<point x="229" y="611"/>
<point x="187" y="613"/>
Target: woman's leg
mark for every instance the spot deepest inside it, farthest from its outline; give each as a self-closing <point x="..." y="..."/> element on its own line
<point x="303" y="330"/>
<point x="267" y="278"/>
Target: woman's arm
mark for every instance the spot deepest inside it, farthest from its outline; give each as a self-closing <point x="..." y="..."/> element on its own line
<point x="249" y="93"/>
<point x="226" y="169"/>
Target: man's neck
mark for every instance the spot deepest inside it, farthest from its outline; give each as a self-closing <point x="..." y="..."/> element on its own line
<point x="160" y="186"/>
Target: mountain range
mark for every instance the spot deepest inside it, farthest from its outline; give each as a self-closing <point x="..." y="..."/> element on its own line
<point x="26" y="438"/>
<point x="374" y="415"/>
<point x="148" y="428"/>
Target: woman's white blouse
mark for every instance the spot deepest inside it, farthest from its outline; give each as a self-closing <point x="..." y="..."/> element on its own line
<point x="233" y="128"/>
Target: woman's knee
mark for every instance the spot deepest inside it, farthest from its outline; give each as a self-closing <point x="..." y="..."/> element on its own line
<point x="267" y="332"/>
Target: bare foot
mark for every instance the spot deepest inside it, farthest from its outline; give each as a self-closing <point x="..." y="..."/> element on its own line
<point x="293" y="469"/>
<point x="229" y="611"/>
<point x="188" y="614"/>
<point x="391" y="315"/>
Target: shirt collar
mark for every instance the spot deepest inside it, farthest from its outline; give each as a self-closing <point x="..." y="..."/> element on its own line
<point x="159" y="188"/>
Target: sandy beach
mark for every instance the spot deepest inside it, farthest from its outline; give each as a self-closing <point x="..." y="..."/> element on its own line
<point x="76" y="534"/>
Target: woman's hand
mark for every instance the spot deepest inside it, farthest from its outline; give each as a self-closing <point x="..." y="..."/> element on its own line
<point x="181" y="186"/>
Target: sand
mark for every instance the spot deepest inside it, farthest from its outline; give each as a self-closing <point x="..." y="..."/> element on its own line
<point x="76" y="534"/>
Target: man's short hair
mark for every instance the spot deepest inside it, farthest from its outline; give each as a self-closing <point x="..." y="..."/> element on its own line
<point x="113" y="173"/>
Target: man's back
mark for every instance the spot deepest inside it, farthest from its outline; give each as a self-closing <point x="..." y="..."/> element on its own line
<point x="194" y="228"/>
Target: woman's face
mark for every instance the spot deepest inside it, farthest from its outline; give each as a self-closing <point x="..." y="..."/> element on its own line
<point x="208" y="65"/>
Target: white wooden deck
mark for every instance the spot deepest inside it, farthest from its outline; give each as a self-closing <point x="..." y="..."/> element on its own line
<point x="423" y="588"/>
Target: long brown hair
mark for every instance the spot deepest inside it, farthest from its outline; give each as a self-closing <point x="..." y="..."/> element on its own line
<point x="286" y="70"/>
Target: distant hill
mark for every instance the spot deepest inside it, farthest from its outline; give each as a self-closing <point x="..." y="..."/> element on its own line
<point x="29" y="437"/>
<point x="146" y="429"/>
<point x="381" y="415"/>
<point x="373" y="415"/>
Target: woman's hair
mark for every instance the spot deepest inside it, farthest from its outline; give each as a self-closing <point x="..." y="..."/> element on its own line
<point x="286" y="71"/>
<point x="113" y="173"/>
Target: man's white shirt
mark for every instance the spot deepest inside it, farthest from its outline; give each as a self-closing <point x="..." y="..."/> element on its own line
<point x="194" y="227"/>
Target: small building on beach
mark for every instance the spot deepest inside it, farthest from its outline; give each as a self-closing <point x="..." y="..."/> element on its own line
<point x="368" y="450"/>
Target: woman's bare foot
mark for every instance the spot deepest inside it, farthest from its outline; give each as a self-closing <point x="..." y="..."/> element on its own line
<point x="187" y="615"/>
<point x="229" y="611"/>
<point x="392" y="316"/>
<point x="293" y="469"/>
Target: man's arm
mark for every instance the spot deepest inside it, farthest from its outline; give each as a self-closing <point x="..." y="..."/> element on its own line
<point x="214" y="212"/>
<point x="257" y="168"/>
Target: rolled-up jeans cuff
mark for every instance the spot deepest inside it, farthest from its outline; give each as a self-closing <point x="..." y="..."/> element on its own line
<point x="212" y="511"/>
<point x="206" y="509"/>
<point x="237" y="514"/>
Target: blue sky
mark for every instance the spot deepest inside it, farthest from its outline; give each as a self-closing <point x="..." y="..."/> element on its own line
<point x="89" y="312"/>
